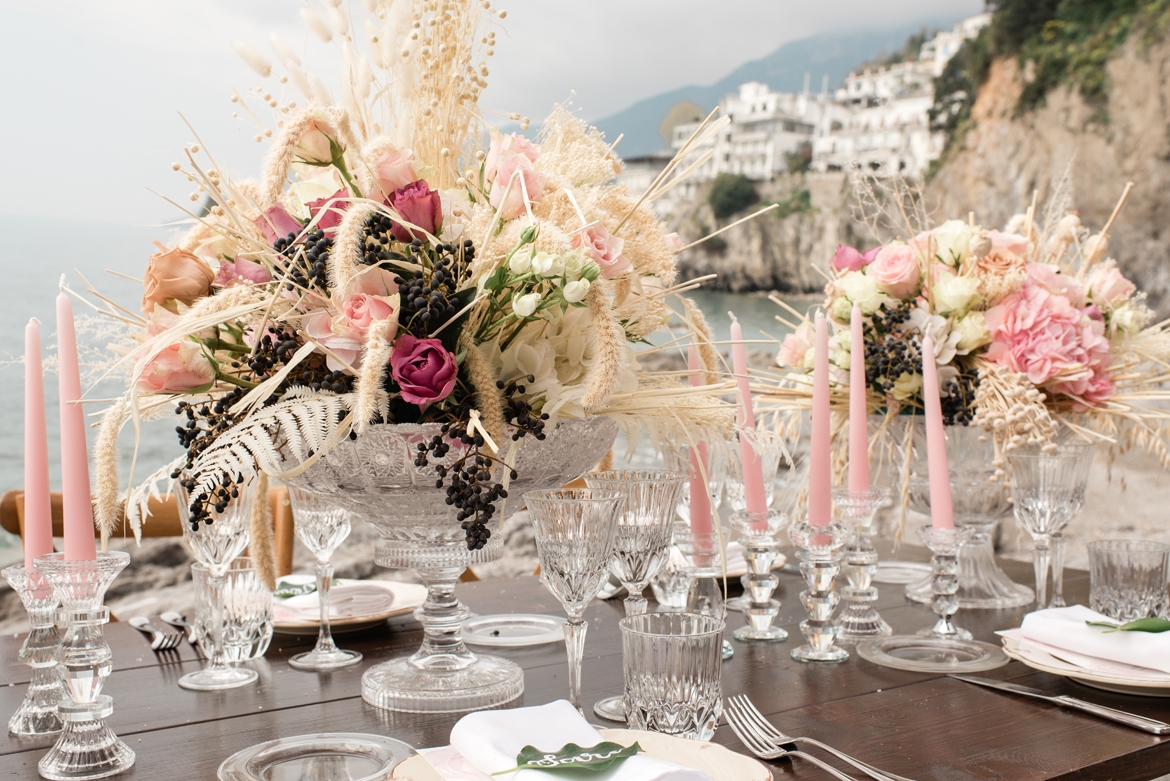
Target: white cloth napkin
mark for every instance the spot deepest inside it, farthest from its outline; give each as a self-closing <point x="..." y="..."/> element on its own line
<point x="1065" y="628"/>
<point x="490" y="740"/>
<point x="346" y="600"/>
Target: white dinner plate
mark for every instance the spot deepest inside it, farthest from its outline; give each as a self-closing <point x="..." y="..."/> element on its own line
<point x="407" y="596"/>
<point x="1045" y="662"/>
<point x="513" y="630"/>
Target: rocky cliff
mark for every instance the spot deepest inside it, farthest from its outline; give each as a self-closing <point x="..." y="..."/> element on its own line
<point x="1004" y="157"/>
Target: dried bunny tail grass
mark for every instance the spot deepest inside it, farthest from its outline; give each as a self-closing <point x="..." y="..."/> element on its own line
<point x="107" y="506"/>
<point x="371" y="398"/>
<point x="262" y="547"/>
<point x="333" y="120"/>
<point x="487" y="395"/>
<point x="707" y="352"/>
<point x="1012" y="410"/>
<point x="609" y="343"/>
<point x="343" y="262"/>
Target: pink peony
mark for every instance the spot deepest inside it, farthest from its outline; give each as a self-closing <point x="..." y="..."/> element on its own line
<point x="1055" y="281"/>
<point x="335" y="204"/>
<point x="605" y="248"/>
<point x="277" y="223"/>
<point x="181" y="367"/>
<point x="424" y="370"/>
<point x="1106" y="285"/>
<point x="896" y="270"/>
<point x="849" y="259"/>
<point x="419" y="205"/>
<point x="1055" y="344"/>
<point x="502" y="145"/>
<point x="241" y="270"/>
<point x="514" y="164"/>
<point x="394" y="170"/>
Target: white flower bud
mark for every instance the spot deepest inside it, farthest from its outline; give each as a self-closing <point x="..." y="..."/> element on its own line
<point x="576" y="290"/>
<point x="524" y="306"/>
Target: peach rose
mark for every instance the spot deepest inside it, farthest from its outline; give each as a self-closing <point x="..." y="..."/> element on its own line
<point x="605" y="248"/>
<point x="1000" y="262"/>
<point x="512" y="163"/>
<point x="896" y="270"/>
<point x="174" y="275"/>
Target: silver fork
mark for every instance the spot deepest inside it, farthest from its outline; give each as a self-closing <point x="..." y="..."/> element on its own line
<point x="767" y="750"/>
<point x="159" y="641"/>
<point x="769" y="733"/>
<point x="175" y="619"/>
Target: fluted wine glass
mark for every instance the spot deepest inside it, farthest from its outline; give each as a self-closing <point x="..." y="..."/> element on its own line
<point x="642" y="542"/>
<point x="1048" y="490"/>
<point x="575" y="529"/>
<point x="322" y="526"/>
<point x="216" y="544"/>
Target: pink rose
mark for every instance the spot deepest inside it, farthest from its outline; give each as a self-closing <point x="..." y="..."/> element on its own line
<point x="514" y="164"/>
<point x="511" y="143"/>
<point x="1106" y="285"/>
<point x="424" y="370"/>
<point x="849" y="259"/>
<point x="277" y="223"/>
<point x="241" y="270"/>
<point x="323" y="327"/>
<point x="419" y="205"/>
<point x="335" y="204"/>
<point x="180" y="367"/>
<point x="605" y="248"/>
<point x="795" y="346"/>
<point x="896" y="270"/>
<point x="370" y="296"/>
<point x="1013" y="243"/>
<point x="394" y="170"/>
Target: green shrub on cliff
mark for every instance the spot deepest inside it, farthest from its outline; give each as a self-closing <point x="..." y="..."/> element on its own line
<point x="731" y="194"/>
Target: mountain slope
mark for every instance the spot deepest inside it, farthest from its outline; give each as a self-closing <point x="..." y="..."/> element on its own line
<point x="834" y="54"/>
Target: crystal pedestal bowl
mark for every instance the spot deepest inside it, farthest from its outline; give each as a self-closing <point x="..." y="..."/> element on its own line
<point x="375" y="477"/>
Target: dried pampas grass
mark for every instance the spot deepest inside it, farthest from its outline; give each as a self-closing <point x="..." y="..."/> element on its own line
<point x="262" y="547"/>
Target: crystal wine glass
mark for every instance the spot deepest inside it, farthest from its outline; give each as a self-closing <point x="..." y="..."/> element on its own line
<point x="321" y="526"/>
<point x="216" y="545"/>
<point x="575" y="530"/>
<point x="1048" y="490"/>
<point x="642" y="542"/>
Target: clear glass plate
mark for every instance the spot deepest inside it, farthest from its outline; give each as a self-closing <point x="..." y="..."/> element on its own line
<point x="334" y="756"/>
<point x="932" y="654"/>
<point x="898" y="573"/>
<point x="513" y="630"/>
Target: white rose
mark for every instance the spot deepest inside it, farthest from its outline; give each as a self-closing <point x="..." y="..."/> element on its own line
<point x="954" y="295"/>
<point x="1126" y="320"/>
<point x="547" y="265"/>
<point x="906" y="386"/>
<point x="841" y="309"/>
<point x="862" y="290"/>
<point x="573" y="262"/>
<point x="524" y="306"/>
<point x="952" y="241"/>
<point x="839" y="348"/>
<point x="576" y="290"/>
<point x="521" y="263"/>
<point x="972" y="331"/>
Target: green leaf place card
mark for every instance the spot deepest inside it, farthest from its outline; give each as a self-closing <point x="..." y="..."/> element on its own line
<point x="572" y="757"/>
<point x="1154" y="625"/>
<point x="287" y="590"/>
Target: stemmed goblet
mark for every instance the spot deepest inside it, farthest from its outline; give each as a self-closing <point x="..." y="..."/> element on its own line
<point x="1048" y="490"/>
<point x="642" y="541"/>
<point x="216" y="544"/>
<point x="321" y="526"/>
<point x="575" y="529"/>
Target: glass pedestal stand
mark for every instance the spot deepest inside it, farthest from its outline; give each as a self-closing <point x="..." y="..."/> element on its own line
<point x="942" y="647"/>
<point x="443" y="676"/>
<point x="859" y="619"/>
<point x="819" y="552"/>
<point x="87" y="747"/>
<point x="37" y="714"/>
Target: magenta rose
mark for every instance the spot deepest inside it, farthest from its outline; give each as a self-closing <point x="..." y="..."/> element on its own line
<point x="896" y="270"/>
<point x="850" y="259"/>
<point x="423" y="369"/>
<point x="335" y="204"/>
<point x="419" y="205"/>
<point x="277" y="223"/>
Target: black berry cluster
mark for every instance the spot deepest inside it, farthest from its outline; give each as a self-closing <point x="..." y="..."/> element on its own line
<point x="887" y="357"/>
<point x="958" y="405"/>
<point x="428" y="296"/>
<point x="308" y="260"/>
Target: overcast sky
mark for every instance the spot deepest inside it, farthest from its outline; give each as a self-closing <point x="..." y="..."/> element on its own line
<point x="92" y="87"/>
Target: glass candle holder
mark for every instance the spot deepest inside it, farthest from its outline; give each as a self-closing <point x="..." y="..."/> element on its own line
<point x="819" y="550"/>
<point x="87" y="748"/>
<point x="704" y="555"/>
<point x="944" y="547"/>
<point x="859" y="619"/>
<point x="37" y="714"/>
<point x="759" y="532"/>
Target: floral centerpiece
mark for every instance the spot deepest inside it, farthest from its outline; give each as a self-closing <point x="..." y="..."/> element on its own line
<point x="1036" y="331"/>
<point x="400" y="262"/>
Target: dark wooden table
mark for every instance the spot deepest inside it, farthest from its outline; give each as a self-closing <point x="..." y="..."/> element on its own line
<point x="925" y="727"/>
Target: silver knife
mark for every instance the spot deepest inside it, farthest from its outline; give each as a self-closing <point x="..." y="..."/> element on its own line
<point x="1121" y="717"/>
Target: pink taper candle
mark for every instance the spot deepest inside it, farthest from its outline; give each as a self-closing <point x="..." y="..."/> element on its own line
<point x="942" y="514"/>
<point x="755" y="498"/>
<point x="820" y="468"/>
<point x="700" y="502"/>
<point x="78" y="511"/>
<point x="38" y="512"/>
<point x="858" y="423"/>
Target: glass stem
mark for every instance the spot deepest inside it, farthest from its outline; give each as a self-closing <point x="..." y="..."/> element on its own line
<point x="1057" y="571"/>
<point x="218" y="659"/>
<point x="324" y="581"/>
<point x="635" y="603"/>
<point x="1040" y="560"/>
<point x="575" y="646"/>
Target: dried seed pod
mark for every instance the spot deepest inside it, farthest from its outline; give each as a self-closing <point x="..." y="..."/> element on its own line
<point x="1095" y="247"/>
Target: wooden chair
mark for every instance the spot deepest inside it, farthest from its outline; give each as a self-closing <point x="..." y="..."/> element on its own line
<point x="164" y="521"/>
